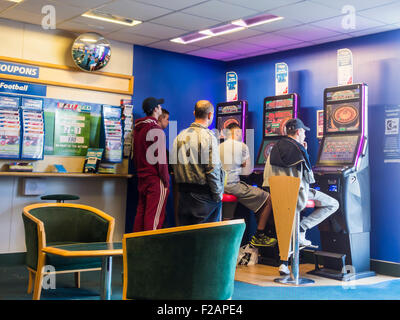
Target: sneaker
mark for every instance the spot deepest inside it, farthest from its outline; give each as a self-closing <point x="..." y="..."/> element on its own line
<point x="303" y="241"/>
<point x="284" y="270"/>
<point x="263" y="241"/>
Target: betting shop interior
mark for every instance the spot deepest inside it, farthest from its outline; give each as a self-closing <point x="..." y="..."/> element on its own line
<point x="73" y="81"/>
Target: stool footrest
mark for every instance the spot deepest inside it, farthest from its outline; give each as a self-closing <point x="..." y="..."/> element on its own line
<point x="329" y="254"/>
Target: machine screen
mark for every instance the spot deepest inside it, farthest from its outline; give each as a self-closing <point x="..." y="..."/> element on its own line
<point x="224" y="121"/>
<point x="343" y="95"/>
<point x="264" y="151"/>
<point x="338" y="150"/>
<point x="280" y="103"/>
<point x="275" y="122"/>
<point x="229" y="109"/>
<point x="343" y="117"/>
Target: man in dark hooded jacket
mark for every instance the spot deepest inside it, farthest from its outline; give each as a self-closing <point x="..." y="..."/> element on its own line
<point x="150" y="159"/>
<point x="289" y="157"/>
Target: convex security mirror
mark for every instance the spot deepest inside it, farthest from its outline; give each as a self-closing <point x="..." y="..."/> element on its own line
<point x="91" y="51"/>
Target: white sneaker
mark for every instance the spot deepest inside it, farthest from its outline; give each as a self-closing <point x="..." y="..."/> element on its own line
<point x="284" y="270"/>
<point x="303" y="242"/>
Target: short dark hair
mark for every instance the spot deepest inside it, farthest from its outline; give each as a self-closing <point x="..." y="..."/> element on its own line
<point x="232" y="126"/>
<point x="202" y="108"/>
<point x="164" y="113"/>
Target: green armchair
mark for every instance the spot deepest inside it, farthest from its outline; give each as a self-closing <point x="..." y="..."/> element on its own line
<point x="195" y="262"/>
<point x="49" y="224"/>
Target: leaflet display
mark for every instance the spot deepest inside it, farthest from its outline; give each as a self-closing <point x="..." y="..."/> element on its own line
<point x="10" y="128"/>
<point x="112" y="134"/>
<point x="33" y="129"/>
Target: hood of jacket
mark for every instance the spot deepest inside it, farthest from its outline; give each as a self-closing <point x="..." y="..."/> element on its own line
<point x="287" y="152"/>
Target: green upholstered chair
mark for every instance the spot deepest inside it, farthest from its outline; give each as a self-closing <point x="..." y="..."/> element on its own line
<point x="49" y="224"/>
<point x="195" y="262"/>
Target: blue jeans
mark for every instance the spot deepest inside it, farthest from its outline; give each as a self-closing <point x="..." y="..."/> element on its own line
<point x="324" y="206"/>
<point x="195" y="208"/>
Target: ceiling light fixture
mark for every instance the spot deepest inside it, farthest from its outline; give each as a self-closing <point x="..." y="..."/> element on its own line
<point x="256" y="21"/>
<point x="192" y="37"/>
<point x="234" y="26"/>
<point x="111" y="18"/>
<point x="220" y="30"/>
<point x="15" y="1"/>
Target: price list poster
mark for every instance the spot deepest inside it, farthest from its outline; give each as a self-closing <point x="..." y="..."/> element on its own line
<point x="71" y="129"/>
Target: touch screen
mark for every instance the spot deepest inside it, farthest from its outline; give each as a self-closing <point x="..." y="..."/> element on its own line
<point x="338" y="149"/>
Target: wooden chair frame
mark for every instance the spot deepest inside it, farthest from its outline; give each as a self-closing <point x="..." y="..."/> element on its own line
<point x="38" y="273"/>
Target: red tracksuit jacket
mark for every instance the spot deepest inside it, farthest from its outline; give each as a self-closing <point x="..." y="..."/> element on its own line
<point x="140" y="148"/>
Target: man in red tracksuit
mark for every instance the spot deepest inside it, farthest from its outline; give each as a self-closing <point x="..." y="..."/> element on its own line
<point x="150" y="159"/>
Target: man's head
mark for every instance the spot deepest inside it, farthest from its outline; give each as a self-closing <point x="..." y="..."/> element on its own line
<point x="233" y="131"/>
<point x="296" y="129"/>
<point x="151" y="107"/>
<point x="163" y="119"/>
<point x="204" y="112"/>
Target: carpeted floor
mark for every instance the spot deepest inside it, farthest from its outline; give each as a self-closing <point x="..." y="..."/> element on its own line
<point x="14" y="281"/>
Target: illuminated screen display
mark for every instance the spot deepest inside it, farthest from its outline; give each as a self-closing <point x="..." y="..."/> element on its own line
<point x="338" y="149"/>
<point x="265" y="150"/>
<point x="229" y="109"/>
<point x="224" y="121"/>
<point x="277" y="104"/>
<point x="275" y="122"/>
<point x="343" y="117"/>
<point x="343" y="95"/>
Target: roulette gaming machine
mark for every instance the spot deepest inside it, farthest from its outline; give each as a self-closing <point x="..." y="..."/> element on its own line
<point x="231" y="112"/>
<point x="342" y="171"/>
<point x="277" y="110"/>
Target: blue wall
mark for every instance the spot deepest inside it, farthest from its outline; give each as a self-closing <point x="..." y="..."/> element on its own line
<point x="180" y="79"/>
<point x="377" y="63"/>
<point x="183" y="79"/>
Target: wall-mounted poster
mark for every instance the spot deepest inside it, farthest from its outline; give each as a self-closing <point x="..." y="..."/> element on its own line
<point x="71" y="129"/>
<point x="391" y="145"/>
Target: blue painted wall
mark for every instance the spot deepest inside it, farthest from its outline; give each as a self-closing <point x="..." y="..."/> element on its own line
<point x="377" y="63"/>
<point x="182" y="80"/>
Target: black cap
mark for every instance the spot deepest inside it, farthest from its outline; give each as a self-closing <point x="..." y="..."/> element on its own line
<point x="294" y="124"/>
<point x="149" y="104"/>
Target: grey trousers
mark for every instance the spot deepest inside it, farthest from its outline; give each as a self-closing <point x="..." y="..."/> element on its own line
<point x="324" y="206"/>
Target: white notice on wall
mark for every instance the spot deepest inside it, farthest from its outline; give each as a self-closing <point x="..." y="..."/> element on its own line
<point x="281" y="78"/>
<point x="344" y="67"/>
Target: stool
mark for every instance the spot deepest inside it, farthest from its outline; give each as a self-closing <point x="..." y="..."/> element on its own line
<point x="229" y="203"/>
<point x="59" y="197"/>
<point x="284" y="196"/>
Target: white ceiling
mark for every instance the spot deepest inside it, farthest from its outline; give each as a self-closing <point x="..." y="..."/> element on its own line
<point x="305" y="23"/>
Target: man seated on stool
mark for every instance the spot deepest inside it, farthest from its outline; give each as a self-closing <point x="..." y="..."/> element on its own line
<point x="289" y="157"/>
<point x="235" y="158"/>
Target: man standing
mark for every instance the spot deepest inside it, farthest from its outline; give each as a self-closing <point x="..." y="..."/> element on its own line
<point x="149" y="155"/>
<point x="289" y="157"/>
<point x="197" y="169"/>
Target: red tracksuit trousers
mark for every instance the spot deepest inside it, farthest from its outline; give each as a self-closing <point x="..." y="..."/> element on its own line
<point x="150" y="212"/>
